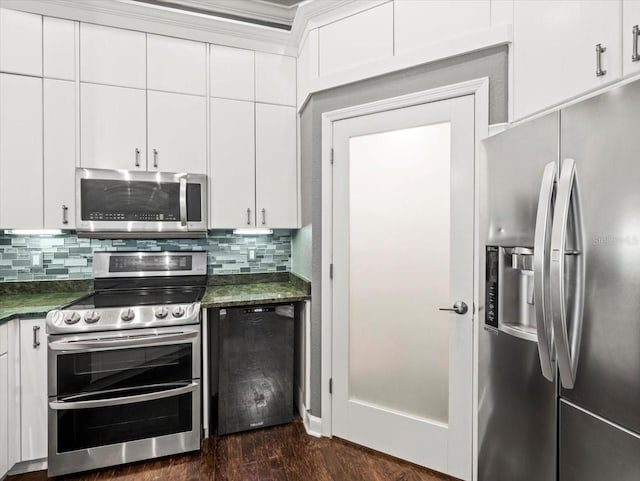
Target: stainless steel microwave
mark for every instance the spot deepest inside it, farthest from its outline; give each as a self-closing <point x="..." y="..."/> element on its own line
<point x="135" y="204"/>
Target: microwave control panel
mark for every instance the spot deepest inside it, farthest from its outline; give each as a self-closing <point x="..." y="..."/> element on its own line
<point x="491" y="293"/>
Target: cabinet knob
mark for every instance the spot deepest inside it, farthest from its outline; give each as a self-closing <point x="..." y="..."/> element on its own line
<point x="137" y="151"/>
<point x="249" y="216"/>
<point x="264" y="216"/>
<point x="635" y="56"/>
<point x="65" y="210"/>
<point x="36" y="337"/>
<point x="155" y="158"/>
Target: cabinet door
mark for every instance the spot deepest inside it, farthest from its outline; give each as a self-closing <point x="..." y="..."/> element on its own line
<point x="232" y="164"/>
<point x="276" y="167"/>
<point x="232" y="73"/>
<point x="59" y="41"/>
<point x="177" y="132"/>
<point x="33" y="385"/>
<point x="4" y="415"/>
<point x="176" y="65"/>
<point x="555" y="50"/>
<point x="113" y="127"/>
<point x="20" y="42"/>
<point x="275" y="79"/>
<point x="112" y="56"/>
<point x="630" y="19"/>
<point x="59" y="154"/>
<point x="20" y="152"/>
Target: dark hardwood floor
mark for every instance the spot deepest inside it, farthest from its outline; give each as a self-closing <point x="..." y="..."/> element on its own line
<point x="282" y="453"/>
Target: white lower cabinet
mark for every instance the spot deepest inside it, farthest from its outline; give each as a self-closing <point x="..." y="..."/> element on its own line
<point x="4" y="414"/>
<point x="177" y="130"/>
<point x="33" y="389"/>
<point x="276" y="167"/>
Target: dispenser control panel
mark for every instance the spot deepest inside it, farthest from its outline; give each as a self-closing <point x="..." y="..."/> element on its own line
<point x="491" y="294"/>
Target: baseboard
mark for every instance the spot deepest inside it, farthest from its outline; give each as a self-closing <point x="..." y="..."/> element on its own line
<point x="312" y="424"/>
<point x="28" y="467"/>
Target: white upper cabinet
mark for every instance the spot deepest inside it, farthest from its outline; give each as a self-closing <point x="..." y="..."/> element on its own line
<point x="630" y="36"/>
<point x="112" y="56"/>
<point x="275" y="79"/>
<point x="307" y="69"/>
<point x="59" y="154"/>
<point x="232" y="73"/>
<point x="233" y="164"/>
<point x="113" y="133"/>
<point x="176" y="65"/>
<point x="20" y="42"/>
<point x="177" y="129"/>
<point x="419" y="23"/>
<point x="20" y="152"/>
<point x="59" y="42"/>
<point x="276" y="167"/>
<point x="555" y="56"/>
<point x="357" y="40"/>
<point x="33" y="389"/>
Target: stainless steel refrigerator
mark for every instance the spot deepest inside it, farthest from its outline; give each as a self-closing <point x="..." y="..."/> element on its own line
<point x="559" y="348"/>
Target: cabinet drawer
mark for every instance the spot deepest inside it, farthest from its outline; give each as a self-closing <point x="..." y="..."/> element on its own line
<point x="3" y="337"/>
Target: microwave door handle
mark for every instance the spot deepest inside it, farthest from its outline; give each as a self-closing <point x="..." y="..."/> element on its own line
<point x="119" y="401"/>
<point x="106" y="343"/>
<point x="541" y="249"/>
<point x="567" y="341"/>
<point x="183" y="201"/>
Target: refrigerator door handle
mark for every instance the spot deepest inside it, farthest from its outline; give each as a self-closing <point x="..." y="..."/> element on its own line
<point x="567" y="332"/>
<point x="541" y="249"/>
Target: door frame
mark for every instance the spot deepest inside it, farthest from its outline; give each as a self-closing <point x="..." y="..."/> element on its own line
<point x="479" y="88"/>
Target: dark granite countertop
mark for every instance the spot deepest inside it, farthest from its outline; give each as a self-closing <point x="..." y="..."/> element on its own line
<point x="35" y="299"/>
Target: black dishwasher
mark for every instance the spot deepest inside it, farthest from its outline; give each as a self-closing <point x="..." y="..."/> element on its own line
<point x="255" y="385"/>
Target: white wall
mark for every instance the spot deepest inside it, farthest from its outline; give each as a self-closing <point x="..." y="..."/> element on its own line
<point x="301" y="252"/>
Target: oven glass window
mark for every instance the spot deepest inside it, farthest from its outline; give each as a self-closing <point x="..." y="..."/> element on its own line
<point x="101" y="426"/>
<point x="122" y="368"/>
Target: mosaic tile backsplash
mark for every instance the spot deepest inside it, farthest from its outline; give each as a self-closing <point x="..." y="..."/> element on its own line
<point x="66" y="256"/>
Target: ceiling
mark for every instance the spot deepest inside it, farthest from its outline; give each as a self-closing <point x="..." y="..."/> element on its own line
<point x="270" y="13"/>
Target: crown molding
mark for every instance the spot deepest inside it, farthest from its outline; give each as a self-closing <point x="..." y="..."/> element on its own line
<point x="254" y="9"/>
<point x="316" y="13"/>
<point x="162" y="21"/>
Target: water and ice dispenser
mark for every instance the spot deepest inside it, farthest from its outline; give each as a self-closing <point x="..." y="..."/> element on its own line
<point x="509" y="291"/>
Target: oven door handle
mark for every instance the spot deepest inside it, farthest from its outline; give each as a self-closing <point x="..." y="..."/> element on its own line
<point x="118" y="401"/>
<point x="135" y="341"/>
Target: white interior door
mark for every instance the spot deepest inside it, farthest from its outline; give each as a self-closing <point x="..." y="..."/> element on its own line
<point x="403" y="216"/>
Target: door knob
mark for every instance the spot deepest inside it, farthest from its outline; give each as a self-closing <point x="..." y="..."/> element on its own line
<point x="459" y="307"/>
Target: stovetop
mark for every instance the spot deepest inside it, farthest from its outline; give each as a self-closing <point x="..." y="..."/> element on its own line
<point x="139" y="297"/>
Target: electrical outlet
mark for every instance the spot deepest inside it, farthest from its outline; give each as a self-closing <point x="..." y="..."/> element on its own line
<point x="36" y="260"/>
<point x="252" y="254"/>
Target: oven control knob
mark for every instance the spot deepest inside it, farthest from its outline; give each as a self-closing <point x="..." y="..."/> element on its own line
<point x="178" y="311"/>
<point x="127" y="315"/>
<point x="72" y="318"/>
<point x="91" y="317"/>
<point x="161" y="312"/>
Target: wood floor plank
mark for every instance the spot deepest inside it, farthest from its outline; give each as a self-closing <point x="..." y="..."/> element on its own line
<point x="280" y="453"/>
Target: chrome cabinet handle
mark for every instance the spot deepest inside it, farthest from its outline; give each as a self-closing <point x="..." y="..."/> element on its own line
<point x="65" y="405"/>
<point x="65" y="210"/>
<point x="567" y="341"/>
<point x="599" y="51"/>
<point x="459" y="307"/>
<point x="635" y="56"/>
<point x="264" y="216"/>
<point x="155" y="158"/>
<point x="36" y="337"/>
<point x="183" y="201"/>
<point x="541" y="248"/>
<point x="248" y="216"/>
<point x="137" y="157"/>
<point x="121" y="341"/>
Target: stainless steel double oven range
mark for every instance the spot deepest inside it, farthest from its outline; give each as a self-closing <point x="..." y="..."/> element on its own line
<point x="125" y="363"/>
